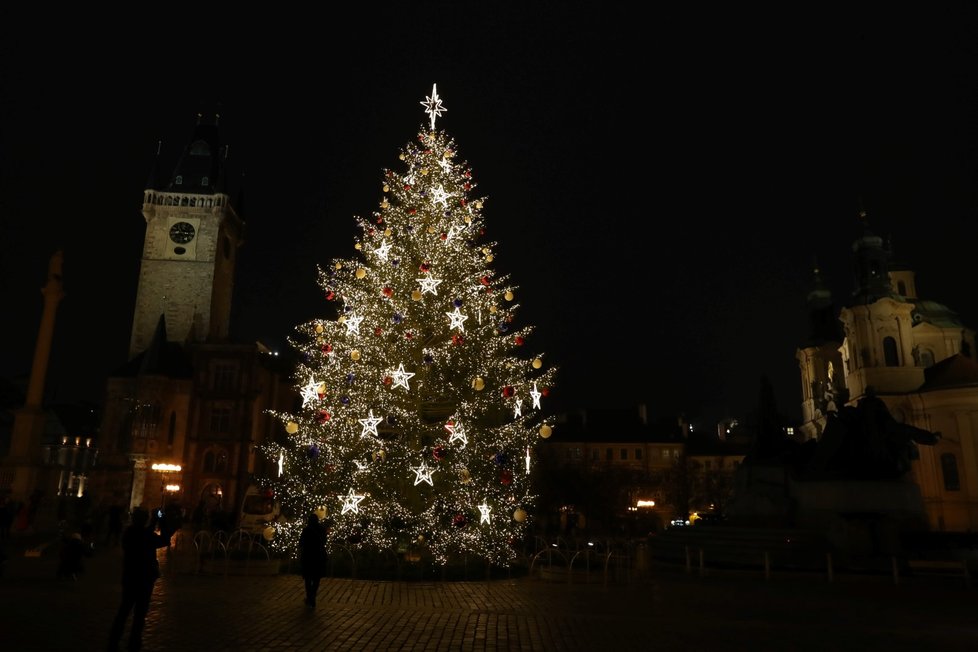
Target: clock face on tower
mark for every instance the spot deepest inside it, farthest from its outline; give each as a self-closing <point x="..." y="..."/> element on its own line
<point x="182" y="232"/>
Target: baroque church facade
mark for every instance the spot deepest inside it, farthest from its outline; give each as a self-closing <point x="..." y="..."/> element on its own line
<point x="183" y="417"/>
<point x="913" y="353"/>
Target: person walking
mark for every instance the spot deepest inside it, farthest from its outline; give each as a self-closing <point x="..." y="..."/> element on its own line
<point x="312" y="557"/>
<point x="140" y="570"/>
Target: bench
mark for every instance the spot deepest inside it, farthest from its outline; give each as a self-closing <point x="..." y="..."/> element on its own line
<point x="948" y="567"/>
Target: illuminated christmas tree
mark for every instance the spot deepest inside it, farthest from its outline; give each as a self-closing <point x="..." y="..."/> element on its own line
<point x="421" y="403"/>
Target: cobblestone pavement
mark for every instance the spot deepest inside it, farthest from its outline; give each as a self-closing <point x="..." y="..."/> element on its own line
<point x="667" y="609"/>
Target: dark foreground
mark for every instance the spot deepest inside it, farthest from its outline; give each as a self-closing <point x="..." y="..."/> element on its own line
<point x="666" y="609"/>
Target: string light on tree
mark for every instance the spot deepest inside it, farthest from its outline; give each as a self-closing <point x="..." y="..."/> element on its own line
<point x="411" y="392"/>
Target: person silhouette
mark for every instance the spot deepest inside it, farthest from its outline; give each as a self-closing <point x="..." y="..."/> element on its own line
<point x="140" y="570"/>
<point x="312" y="557"/>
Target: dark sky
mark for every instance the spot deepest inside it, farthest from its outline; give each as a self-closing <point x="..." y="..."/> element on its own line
<point x="659" y="184"/>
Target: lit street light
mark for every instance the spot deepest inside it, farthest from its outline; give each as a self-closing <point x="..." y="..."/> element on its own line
<point x="163" y="469"/>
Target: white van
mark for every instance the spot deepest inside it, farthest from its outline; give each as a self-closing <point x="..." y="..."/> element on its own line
<point x="257" y="510"/>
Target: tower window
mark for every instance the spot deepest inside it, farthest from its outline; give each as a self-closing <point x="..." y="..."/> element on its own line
<point x="224" y="376"/>
<point x="179" y="180"/>
<point x="204" y="181"/>
<point x="220" y="420"/>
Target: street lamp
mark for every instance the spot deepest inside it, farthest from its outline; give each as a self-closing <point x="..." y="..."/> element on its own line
<point x="163" y="469"/>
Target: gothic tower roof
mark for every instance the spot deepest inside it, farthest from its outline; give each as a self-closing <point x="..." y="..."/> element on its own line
<point x="200" y="169"/>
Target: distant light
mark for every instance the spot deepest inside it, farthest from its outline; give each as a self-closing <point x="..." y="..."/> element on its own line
<point x="590" y="543"/>
<point x="645" y="503"/>
<point x="166" y="468"/>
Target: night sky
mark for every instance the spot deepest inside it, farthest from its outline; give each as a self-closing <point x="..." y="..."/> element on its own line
<point x="659" y="186"/>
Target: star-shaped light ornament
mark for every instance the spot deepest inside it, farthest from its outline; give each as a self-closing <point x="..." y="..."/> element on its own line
<point x="281" y="463"/>
<point x="536" y="396"/>
<point x="457" y="434"/>
<point x="310" y="392"/>
<point x="422" y="474"/>
<point x="383" y="250"/>
<point x="351" y="502"/>
<point x="518" y="409"/>
<point x="452" y="230"/>
<point x="445" y="164"/>
<point x="432" y="104"/>
<point x="440" y="196"/>
<point x="457" y="319"/>
<point x="369" y="425"/>
<point x="429" y="285"/>
<point x="486" y="510"/>
<point x="353" y="324"/>
<point x="401" y="377"/>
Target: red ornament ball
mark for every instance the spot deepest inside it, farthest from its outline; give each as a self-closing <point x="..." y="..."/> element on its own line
<point x="506" y="477"/>
<point x="438" y="452"/>
<point x="378" y="331"/>
<point x="326" y="348"/>
<point x="322" y="417"/>
<point x="457" y="339"/>
<point x="330" y="295"/>
<point x="388" y="291"/>
<point x="508" y="391"/>
<point x="388" y="380"/>
<point x="518" y="340"/>
<point x="459" y="520"/>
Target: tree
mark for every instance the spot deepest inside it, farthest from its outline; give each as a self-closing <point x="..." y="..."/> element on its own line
<point x="420" y="404"/>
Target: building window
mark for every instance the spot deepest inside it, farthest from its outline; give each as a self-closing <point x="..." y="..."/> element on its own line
<point x="623" y="453"/>
<point x="575" y="453"/>
<point x="220" y="420"/>
<point x="638" y="453"/>
<point x="594" y="455"/>
<point x="215" y="460"/>
<point x="926" y="358"/>
<point x="949" y="469"/>
<point x="171" y="435"/>
<point x="890" y="352"/>
<point x="609" y="454"/>
<point x="224" y="376"/>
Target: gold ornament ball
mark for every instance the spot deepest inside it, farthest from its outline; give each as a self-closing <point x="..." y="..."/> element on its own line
<point x="387" y="232"/>
<point x="424" y="172"/>
<point x="292" y="427"/>
<point x="489" y="258"/>
<point x="384" y="204"/>
<point x="420" y="538"/>
<point x="492" y="309"/>
<point x="338" y="265"/>
<point x="537" y="363"/>
<point x="416" y="295"/>
<point x="319" y="328"/>
<point x="386" y="188"/>
<point x="321" y="512"/>
<point x="357" y="246"/>
<point x="478" y="384"/>
<point x="508" y="296"/>
<point x="361" y="272"/>
<point x="400" y="156"/>
<point x="354" y="355"/>
<point x="545" y="431"/>
<point x="478" y="205"/>
<point x="519" y="516"/>
<point x="342" y="319"/>
<point x="468" y="219"/>
<point x="465" y="476"/>
<point x="268" y="533"/>
<point x="431" y="229"/>
<point x="485" y="250"/>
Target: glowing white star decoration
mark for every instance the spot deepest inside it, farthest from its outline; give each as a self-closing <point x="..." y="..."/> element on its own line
<point x="457" y="434"/>
<point x="457" y="319"/>
<point x="536" y="396"/>
<point x="429" y="285"/>
<point x="452" y="230"/>
<point x="361" y="466"/>
<point x="351" y="502"/>
<point x="440" y="196"/>
<point x="353" y="324"/>
<point x="518" y="408"/>
<point x="401" y="377"/>
<point x="422" y="474"/>
<point x="445" y="165"/>
<point x="486" y="510"/>
<point x="281" y="463"/>
<point x="369" y="424"/>
<point x="310" y="392"/>
<point x="432" y="104"/>
<point x="383" y="250"/>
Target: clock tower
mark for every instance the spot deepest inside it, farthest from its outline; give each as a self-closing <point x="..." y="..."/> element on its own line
<point x="190" y="248"/>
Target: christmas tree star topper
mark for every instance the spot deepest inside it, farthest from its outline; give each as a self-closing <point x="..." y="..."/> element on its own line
<point x="432" y="104"/>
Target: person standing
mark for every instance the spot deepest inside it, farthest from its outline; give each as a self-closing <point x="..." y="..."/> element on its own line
<point x="312" y="557"/>
<point x="140" y="570"/>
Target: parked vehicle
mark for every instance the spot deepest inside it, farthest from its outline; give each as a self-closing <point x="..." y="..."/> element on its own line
<point x="258" y="509"/>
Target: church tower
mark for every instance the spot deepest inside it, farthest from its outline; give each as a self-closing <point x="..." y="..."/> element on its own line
<point x="190" y="248"/>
